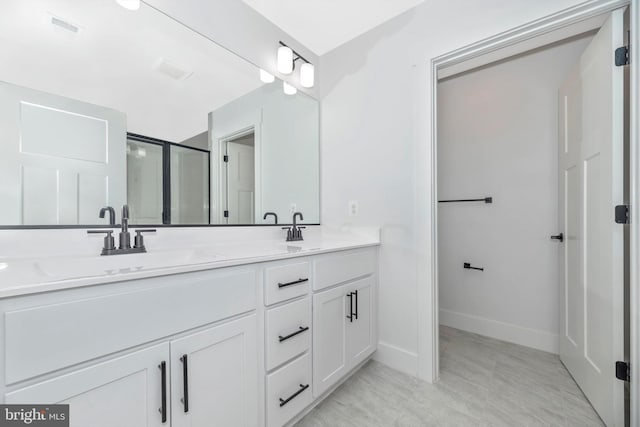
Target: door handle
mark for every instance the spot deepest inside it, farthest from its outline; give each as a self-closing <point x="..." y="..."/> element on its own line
<point x="163" y="373"/>
<point x="356" y="312"/>
<point x="185" y="384"/>
<point x="559" y="237"/>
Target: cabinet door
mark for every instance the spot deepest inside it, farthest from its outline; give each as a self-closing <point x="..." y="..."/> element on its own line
<point x="360" y="330"/>
<point x="214" y="376"/>
<point x="125" y="392"/>
<point x="329" y="351"/>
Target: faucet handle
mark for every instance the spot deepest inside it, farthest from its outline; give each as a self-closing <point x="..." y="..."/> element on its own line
<point x="138" y="241"/>
<point x="109" y="242"/>
<point x="290" y="233"/>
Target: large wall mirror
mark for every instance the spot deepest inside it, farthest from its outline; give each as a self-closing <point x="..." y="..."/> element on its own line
<point x="104" y="106"/>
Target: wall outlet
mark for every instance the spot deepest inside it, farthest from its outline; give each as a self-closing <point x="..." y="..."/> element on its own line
<point x="353" y="208"/>
<point x="293" y="209"/>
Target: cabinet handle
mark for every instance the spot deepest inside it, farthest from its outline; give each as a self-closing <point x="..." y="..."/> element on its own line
<point x="185" y="377"/>
<point x="350" y="316"/>
<point x="163" y="408"/>
<point x="294" y="395"/>
<point x="295" y="282"/>
<point x="356" y="312"/>
<point x="300" y="330"/>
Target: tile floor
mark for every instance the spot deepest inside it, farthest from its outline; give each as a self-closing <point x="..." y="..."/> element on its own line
<point x="483" y="382"/>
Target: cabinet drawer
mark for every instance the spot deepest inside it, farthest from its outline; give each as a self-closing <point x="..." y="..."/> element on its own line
<point x="343" y="266"/>
<point x="288" y="332"/>
<point x="288" y="391"/>
<point x="79" y="330"/>
<point x="287" y="281"/>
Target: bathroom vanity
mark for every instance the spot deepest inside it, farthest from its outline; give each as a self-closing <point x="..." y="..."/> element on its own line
<point x="197" y="324"/>
<point x="237" y="340"/>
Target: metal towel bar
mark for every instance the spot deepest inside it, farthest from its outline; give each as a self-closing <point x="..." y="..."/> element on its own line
<point x="485" y="199"/>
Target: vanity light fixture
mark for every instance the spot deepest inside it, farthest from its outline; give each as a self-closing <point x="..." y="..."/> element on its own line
<point x="289" y="89"/>
<point x="266" y="77"/>
<point x="287" y="58"/>
<point x="129" y="4"/>
<point x="307" y="72"/>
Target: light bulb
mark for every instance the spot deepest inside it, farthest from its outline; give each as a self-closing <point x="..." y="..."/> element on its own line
<point x="266" y="77"/>
<point x="288" y="89"/>
<point x="129" y="4"/>
<point x="307" y="75"/>
<point x="285" y="60"/>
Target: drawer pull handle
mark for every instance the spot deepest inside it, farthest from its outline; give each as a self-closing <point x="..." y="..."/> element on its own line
<point x="294" y="395"/>
<point x="300" y="330"/>
<point x="295" y="282"/>
<point x="185" y="384"/>
<point x="163" y="373"/>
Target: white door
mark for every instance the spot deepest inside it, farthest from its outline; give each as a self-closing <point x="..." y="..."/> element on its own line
<point x="240" y="183"/>
<point x="214" y="376"/>
<point x="330" y="363"/>
<point x="61" y="160"/>
<point x="360" y="333"/>
<point x="124" y="392"/>
<point x="591" y="184"/>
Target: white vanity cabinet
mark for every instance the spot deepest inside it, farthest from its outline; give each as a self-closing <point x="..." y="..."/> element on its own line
<point x="343" y="317"/>
<point x="214" y="376"/>
<point x="251" y="345"/>
<point x="126" y="391"/>
<point x="116" y="353"/>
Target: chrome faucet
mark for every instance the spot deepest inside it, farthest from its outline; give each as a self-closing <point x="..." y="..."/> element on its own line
<point x="273" y="214"/>
<point x="294" y="233"/>
<point x="112" y="214"/>
<point x="124" y="247"/>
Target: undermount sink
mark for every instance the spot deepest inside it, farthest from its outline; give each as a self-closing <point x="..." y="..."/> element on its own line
<point x="71" y="267"/>
<point x="294" y="247"/>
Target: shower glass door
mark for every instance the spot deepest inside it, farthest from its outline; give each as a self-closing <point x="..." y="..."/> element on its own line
<point x="189" y="185"/>
<point x="167" y="183"/>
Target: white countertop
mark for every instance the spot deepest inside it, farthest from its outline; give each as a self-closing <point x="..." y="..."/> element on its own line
<point x="23" y="275"/>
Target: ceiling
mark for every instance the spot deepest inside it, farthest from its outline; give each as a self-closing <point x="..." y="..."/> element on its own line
<point x="323" y="25"/>
<point x="112" y="61"/>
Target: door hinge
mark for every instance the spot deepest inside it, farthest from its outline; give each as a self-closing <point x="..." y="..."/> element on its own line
<point x="623" y="371"/>
<point x="622" y="214"/>
<point x="226" y="214"/>
<point x="226" y="158"/>
<point x="622" y="56"/>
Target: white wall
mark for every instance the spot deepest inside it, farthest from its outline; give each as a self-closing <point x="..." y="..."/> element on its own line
<point x="286" y="149"/>
<point x="375" y="128"/>
<point x="497" y="136"/>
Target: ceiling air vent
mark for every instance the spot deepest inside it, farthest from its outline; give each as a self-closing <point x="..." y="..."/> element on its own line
<point x="174" y="71"/>
<point x="65" y="25"/>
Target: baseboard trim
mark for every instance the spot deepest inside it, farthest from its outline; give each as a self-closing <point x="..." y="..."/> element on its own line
<point x="533" y="338"/>
<point x="397" y="358"/>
